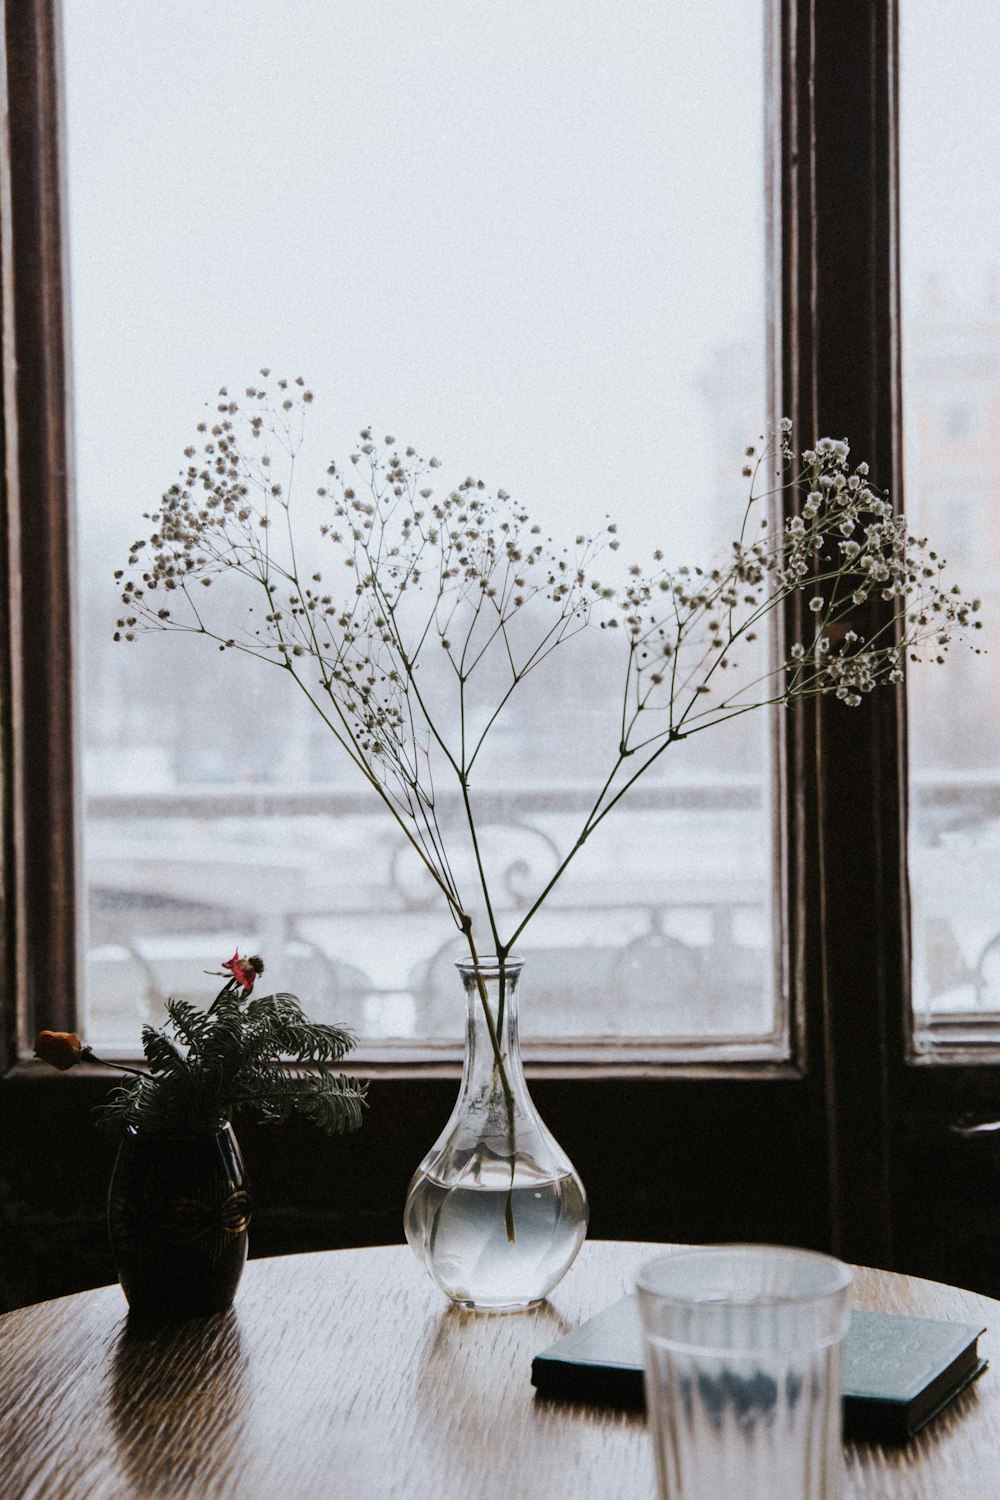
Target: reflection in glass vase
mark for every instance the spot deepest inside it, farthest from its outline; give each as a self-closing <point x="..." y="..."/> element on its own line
<point x="495" y="1211"/>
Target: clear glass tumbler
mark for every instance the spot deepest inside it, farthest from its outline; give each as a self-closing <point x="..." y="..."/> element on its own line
<point x="743" y="1389"/>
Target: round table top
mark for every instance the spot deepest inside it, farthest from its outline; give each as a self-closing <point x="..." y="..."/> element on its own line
<point x="345" y="1374"/>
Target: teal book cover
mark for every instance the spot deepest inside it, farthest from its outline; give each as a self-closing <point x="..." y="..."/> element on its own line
<point x="898" y="1372"/>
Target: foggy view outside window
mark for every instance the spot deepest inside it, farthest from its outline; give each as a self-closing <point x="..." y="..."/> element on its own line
<point x="529" y="240"/>
<point x="950" y="186"/>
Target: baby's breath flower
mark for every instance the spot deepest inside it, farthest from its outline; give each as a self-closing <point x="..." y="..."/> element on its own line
<point x="454" y="571"/>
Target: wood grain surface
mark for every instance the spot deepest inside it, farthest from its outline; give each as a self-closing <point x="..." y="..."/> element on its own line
<point x="345" y="1374"/>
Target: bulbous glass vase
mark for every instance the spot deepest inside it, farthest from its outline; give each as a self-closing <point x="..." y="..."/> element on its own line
<point x="495" y="1211"/>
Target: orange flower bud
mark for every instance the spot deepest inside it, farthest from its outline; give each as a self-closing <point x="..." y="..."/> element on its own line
<point x="61" y="1049"/>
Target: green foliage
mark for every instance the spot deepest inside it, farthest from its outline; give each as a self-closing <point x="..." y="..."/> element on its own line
<point x="241" y="1054"/>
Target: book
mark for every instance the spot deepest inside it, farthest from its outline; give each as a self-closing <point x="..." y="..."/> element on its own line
<point x="898" y="1372"/>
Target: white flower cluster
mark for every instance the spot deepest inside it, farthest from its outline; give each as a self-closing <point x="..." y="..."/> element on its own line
<point x="466" y="572"/>
<point x="847" y="547"/>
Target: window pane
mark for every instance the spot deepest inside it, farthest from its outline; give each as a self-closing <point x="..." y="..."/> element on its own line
<point x="526" y="239"/>
<point x="950" y="141"/>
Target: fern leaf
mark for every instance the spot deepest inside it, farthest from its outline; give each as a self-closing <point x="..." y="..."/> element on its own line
<point x="306" y="1040"/>
<point x="280" y="1005"/>
<point x="333" y="1102"/>
<point x="238" y="1056"/>
<point x="161" y="1054"/>
<point x="290" y="1033"/>
<point x="191" y="1024"/>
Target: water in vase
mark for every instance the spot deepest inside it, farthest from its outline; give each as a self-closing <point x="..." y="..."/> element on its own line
<point x="463" y="1233"/>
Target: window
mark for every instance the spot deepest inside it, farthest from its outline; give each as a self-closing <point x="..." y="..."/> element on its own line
<point x="951" y="334"/>
<point x="510" y="258"/>
<point x="957" y="424"/>
<point x="847" y="1142"/>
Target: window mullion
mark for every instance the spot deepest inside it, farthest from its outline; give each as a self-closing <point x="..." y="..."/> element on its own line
<point x="42" y="880"/>
<point x="841" y="380"/>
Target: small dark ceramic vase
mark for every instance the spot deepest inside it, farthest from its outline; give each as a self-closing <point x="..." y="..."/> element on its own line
<point x="178" y="1210"/>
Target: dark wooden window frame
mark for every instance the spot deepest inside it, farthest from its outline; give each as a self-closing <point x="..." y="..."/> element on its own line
<point x="827" y="1117"/>
<point x="39" y="814"/>
<point x="841" y="376"/>
<point x="41" y="805"/>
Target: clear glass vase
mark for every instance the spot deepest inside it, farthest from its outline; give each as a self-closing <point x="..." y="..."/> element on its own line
<point x="495" y="1211"/>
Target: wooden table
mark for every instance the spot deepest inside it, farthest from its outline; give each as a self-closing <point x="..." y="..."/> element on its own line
<point x="346" y="1374"/>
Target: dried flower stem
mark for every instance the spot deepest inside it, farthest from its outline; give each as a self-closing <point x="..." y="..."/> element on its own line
<point x="466" y="573"/>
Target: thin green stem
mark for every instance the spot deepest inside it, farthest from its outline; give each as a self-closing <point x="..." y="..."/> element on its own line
<point x="89" y="1055"/>
<point x="499" y="1065"/>
<point x="589" y="824"/>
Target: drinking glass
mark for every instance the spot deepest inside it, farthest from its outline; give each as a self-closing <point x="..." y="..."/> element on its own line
<point x="743" y="1391"/>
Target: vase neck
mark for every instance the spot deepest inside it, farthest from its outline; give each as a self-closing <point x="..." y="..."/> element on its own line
<point x="491" y="993"/>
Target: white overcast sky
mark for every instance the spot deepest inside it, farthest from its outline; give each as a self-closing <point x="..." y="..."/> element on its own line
<point x="509" y="234"/>
<point x="512" y="235"/>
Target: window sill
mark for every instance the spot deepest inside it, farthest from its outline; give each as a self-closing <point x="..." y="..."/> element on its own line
<point x="590" y="1063"/>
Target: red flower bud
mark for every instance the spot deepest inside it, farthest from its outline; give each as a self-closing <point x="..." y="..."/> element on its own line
<point x="245" y="970"/>
<point x="61" y="1049"/>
